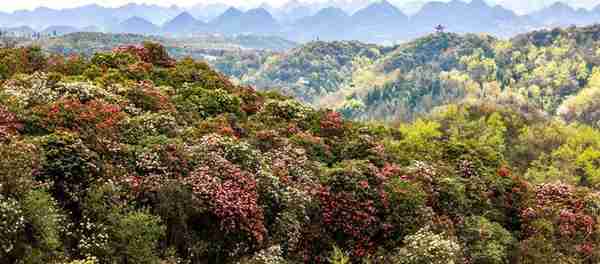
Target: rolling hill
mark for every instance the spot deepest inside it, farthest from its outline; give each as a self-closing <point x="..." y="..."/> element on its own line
<point x="539" y="70"/>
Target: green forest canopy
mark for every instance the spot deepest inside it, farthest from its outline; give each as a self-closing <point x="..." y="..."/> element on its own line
<point x="552" y="71"/>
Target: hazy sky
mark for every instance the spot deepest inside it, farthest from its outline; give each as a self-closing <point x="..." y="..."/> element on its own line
<point x="11" y="5"/>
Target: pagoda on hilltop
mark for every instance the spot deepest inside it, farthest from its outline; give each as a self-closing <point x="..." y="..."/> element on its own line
<point x="440" y="28"/>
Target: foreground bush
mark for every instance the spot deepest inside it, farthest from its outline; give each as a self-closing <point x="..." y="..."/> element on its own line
<point x="426" y="246"/>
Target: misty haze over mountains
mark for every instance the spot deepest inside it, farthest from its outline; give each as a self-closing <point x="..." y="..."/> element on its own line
<point x="380" y="22"/>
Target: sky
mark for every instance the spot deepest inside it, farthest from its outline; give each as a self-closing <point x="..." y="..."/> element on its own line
<point x="11" y="5"/>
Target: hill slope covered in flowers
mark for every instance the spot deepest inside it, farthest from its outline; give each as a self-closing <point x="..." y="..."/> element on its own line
<point x="133" y="157"/>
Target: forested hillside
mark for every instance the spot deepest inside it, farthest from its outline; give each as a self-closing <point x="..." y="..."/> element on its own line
<point x="552" y="71"/>
<point x="314" y="69"/>
<point x="131" y="156"/>
<point x="205" y="47"/>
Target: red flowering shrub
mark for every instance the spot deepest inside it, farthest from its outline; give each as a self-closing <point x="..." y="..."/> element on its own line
<point x="9" y="123"/>
<point x="96" y="116"/>
<point x="148" y="98"/>
<point x="252" y="103"/>
<point x="139" y="70"/>
<point x="157" y="54"/>
<point x="137" y="50"/>
<point x="149" y="52"/>
<point x="71" y="65"/>
<point x="351" y="217"/>
<point x="232" y="195"/>
<point x="265" y="139"/>
<point x="21" y="60"/>
<point x="363" y="205"/>
<point x="559" y="214"/>
<point x="292" y="165"/>
<point x="332" y="124"/>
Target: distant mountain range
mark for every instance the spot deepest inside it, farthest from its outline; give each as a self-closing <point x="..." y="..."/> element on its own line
<point x="364" y="20"/>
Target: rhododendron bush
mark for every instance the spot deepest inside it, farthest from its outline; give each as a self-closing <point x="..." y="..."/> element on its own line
<point x="133" y="157"/>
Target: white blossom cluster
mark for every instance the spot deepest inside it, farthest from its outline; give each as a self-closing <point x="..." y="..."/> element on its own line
<point x="293" y="162"/>
<point x="236" y="151"/>
<point x="94" y="236"/>
<point x="12" y="221"/>
<point x="292" y="192"/>
<point x="151" y="161"/>
<point x="424" y="170"/>
<point x="37" y="89"/>
<point x="592" y="203"/>
<point x="149" y="124"/>
<point x="88" y="260"/>
<point x="271" y="255"/>
<point x="425" y="246"/>
<point x="288" y="109"/>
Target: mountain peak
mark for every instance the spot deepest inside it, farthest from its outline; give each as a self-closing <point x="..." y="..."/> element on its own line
<point x="560" y="6"/>
<point x="137" y="25"/>
<point x="232" y="11"/>
<point x="260" y="16"/>
<point x="478" y="3"/>
<point x="183" y="19"/>
<point x="230" y="14"/>
<point x="182" y="23"/>
<point x="184" y="15"/>
<point x="331" y="11"/>
<point x="43" y="9"/>
<point x="136" y="19"/>
<point x="379" y="9"/>
<point x="382" y="3"/>
<point x="259" y="11"/>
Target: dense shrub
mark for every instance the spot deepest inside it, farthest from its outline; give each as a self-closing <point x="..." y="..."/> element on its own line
<point x="232" y="197"/>
<point x="46" y="227"/>
<point x="32" y="229"/>
<point x="18" y="166"/>
<point x="68" y="167"/>
<point x="487" y="242"/>
<point x="9" y="123"/>
<point x="205" y="102"/>
<point x="426" y="246"/>
<point x="557" y="216"/>
<point x="12" y="228"/>
<point x="136" y="237"/>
